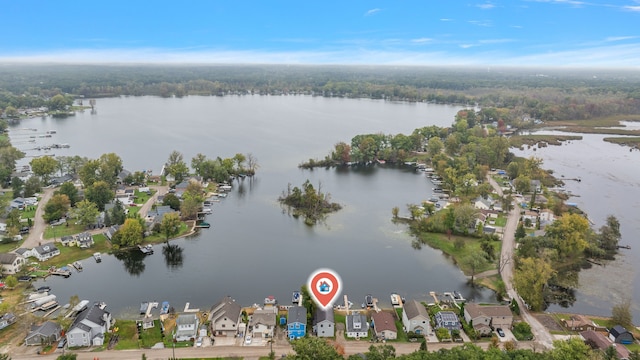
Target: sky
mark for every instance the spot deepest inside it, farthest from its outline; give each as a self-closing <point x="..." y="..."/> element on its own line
<point x="564" y="33"/>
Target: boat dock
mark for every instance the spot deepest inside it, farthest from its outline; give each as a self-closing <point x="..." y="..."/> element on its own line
<point x="187" y="310"/>
<point x="64" y="271"/>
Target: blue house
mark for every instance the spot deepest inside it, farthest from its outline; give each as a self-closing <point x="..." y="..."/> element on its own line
<point x="297" y="322"/>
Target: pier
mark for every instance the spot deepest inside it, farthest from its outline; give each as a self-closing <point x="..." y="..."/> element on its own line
<point x="187" y="310"/>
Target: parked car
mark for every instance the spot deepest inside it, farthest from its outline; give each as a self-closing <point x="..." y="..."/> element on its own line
<point x="24" y="230"/>
<point x="62" y="343"/>
<point x="24" y="278"/>
<point x="247" y="341"/>
<point x="199" y="342"/>
<point x="500" y="332"/>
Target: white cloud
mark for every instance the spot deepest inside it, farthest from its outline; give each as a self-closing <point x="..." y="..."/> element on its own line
<point x="421" y="40"/>
<point x="445" y="19"/>
<point x="486" y="6"/>
<point x="632" y="8"/>
<point x="372" y="11"/>
<point x="619" y="38"/>
<point x="483" y="23"/>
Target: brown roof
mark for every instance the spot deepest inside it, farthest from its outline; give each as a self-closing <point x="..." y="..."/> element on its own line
<point x="578" y="321"/>
<point x="602" y="342"/>
<point x="383" y="321"/>
<point x="476" y="310"/>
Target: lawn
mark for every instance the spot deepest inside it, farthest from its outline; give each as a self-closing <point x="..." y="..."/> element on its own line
<point x="157" y="238"/>
<point x="150" y="337"/>
<point x="501" y="221"/>
<point x="142" y="197"/>
<point x="128" y="335"/>
<point x="69" y="254"/>
<point x="9" y="245"/>
<point x="471" y="246"/>
<point x="56" y="232"/>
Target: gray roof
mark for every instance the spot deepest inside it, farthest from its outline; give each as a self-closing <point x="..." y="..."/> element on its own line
<point x="263" y="317"/>
<point x="413" y="308"/>
<point x="45" y="329"/>
<point x="46" y="248"/>
<point x="618" y="330"/>
<point x="323" y="315"/>
<point x="84" y="236"/>
<point x="8" y="258"/>
<point x="225" y="307"/>
<point x="297" y="314"/>
<point x="186" y="319"/>
<point x="93" y="314"/>
<point x="447" y="316"/>
<point x="357" y="318"/>
<point x="21" y="251"/>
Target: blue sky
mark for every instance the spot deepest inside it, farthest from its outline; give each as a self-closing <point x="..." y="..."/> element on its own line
<point x="410" y="32"/>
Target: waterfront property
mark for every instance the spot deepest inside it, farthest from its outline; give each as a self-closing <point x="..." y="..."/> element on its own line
<point x="487" y="318"/>
<point x="89" y="327"/>
<point x="384" y="325"/>
<point x="263" y="323"/>
<point x="84" y="240"/>
<point x="6" y="320"/>
<point x="357" y="325"/>
<point x="415" y="317"/>
<point x="448" y="320"/>
<point x="45" y="333"/>
<point x="599" y="341"/>
<point x="579" y="323"/>
<point x="43" y="252"/>
<point x="296" y="322"/>
<point x="620" y="335"/>
<point x="224" y="317"/>
<point x="186" y="327"/>
<point x="324" y="323"/>
<point x="11" y="263"/>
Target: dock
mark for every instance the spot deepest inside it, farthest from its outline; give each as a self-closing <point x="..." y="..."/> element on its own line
<point x="435" y="297"/>
<point x="188" y="310"/>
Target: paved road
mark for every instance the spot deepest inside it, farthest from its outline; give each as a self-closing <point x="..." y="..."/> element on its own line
<point x="160" y="190"/>
<point x="540" y="332"/>
<point x="39" y="225"/>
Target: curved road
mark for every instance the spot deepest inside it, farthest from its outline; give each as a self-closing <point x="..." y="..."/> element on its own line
<point x="540" y="332"/>
<point x="39" y="225"/>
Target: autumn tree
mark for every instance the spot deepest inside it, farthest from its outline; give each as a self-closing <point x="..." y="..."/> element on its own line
<point x="44" y="167"/>
<point x="56" y="208"/>
<point x="86" y="212"/>
<point x="530" y="279"/>
<point x="129" y="234"/>
<point x="570" y="232"/>
<point x="99" y="193"/>
<point x="170" y="225"/>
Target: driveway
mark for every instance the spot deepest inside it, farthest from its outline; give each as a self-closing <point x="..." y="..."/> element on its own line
<point x="39" y="225"/>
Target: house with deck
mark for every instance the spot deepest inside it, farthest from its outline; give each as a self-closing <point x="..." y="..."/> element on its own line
<point x="44" y="252"/>
<point x="415" y="317"/>
<point x="296" y="322"/>
<point x="489" y="317"/>
<point x="384" y="325"/>
<point x="324" y="323"/>
<point x="186" y="327"/>
<point x="46" y="333"/>
<point x="263" y="323"/>
<point x="11" y="263"/>
<point x="89" y="327"/>
<point x="224" y="317"/>
<point x="357" y="326"/>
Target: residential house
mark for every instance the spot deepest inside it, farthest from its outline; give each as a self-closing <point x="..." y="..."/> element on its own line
<point x="486" y="318"/>
<point x="67" y="240"/>
<point x="11" y="263"/>
<point x="89" y="327"/>
<point x="46" y="333"/>
<point x="579" y="323"/>
<point x="357" y="326"/>
<point x="123" y="175"/>
<point x="263" y="323"/>
<point x="154" y="216"/>
<point x="535" y="186"/>
<point x="186" y="327"/>
<point x="598" y="340"/>
<point x="17" y="203"/>
<point x="45" y="252"/>
<point x="415" y="317"/>
<point x="448" y="320"/>
<point x="296" y="322"/>
<point x="531" y="216"/>
<point x="384" y="325"/>
<point x="547" y="216"/>
<point x="482" y="203"/>
<point x="224" y="317"/>
<point x="6" y="320"/>
<point x="620" y="335"/>
<point x="84" y="240"/>
<point x="111" y="231"/>
<point x="324" y="323"/>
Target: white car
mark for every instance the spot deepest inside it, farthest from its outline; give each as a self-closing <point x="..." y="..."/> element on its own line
<point x="199" y="342"/>
<point x="247" y="341"/>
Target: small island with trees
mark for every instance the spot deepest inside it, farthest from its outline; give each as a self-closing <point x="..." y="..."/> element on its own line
<point x="308" y="202"/>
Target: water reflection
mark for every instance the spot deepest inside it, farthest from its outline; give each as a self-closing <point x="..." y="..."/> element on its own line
<point x="173" y="256"/>
<point x="133" y="261"/>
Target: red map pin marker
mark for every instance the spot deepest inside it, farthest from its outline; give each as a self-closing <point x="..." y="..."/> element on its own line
<point x="324" y="286"/>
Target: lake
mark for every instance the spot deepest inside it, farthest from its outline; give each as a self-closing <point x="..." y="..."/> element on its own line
<point x="254" y="248"/>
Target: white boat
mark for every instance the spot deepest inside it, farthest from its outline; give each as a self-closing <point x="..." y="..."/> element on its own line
<point x="97" y="257"/>
<point x="270" y="300"/>
<point x="395" y="299"/>
<point x="77" y="265"/>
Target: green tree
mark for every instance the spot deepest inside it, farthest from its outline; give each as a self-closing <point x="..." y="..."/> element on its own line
<point x="176" y="166"/>
<point x="381" y="352"/>
<point x="70" y="190"/>
<point x="59" y="102"/>
<point x="170" y="225"/>
<point x="130" y="233"/>
<point x="474" y="262"/>
<point x="573" y="348"/>
<point x="16" y="186"/>
<point x="395" y="211"/>
<point x="190" y="207"/>
<point x="11" y="281"/>
<point x="309" y="348"/>
<point x="530" y="279"/>
<point x="435" y="146"/>
<point x="56" y="208"/>
<point x="86" y="212"/>
<point x="99" y="193"/>
<point x="520" y="232"/>
<point x="449" y="221"/>
<point x="621" y="314"/>
<point x="118" y="214"/>
<point x="110" y="165"/>
<point x="44" y="167"/>
<point x="465" y="217"/>
<point x="88" y="173"/>
<point x="172" y="201"/>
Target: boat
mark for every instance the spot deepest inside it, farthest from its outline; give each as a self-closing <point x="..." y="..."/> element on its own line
<point x="97" y="257"/>
<point x="368" y="300"/>
<point x="295" y="298"/>
<point x="395" y="299"/>
<point x="270" y="300"/>
<point x="164" y="309"/>
<point x="147" y="249"/>
<point x="203" y="225"/>
<point x="77" y="265"/>
<point x="143" y="307"/>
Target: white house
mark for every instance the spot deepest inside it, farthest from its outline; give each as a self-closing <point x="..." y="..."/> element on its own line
<point x="357" y="326"/>
<point x="186" y="327"/>
<point x="11" y="263"/>
<point x="89" y="327"/>
<point x="323" y="323"/>
<point x="45" y="252"/>
<point x="415" y="317"/>
<point x="263" y="323"/>
<point x="224" y="317"/>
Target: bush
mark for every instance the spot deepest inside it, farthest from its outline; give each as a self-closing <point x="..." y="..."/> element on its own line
<point x="522" y="331"/>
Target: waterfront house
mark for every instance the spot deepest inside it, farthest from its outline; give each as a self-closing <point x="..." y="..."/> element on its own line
<point x="123" y="175"/>
<point x="448" y="320"/>
<point x="296" y="322"/>
<point x="224" y="317"/>
<point x="186" y="327"/>
<point x="547" y="216"/>
<point x="111" y="231"/>
<point x="323" y="323"/>
<point x="6" y="320"/>
<point x="357" y="326"/>
<point x="84" y="240"/>
<point x="11" y="263"/>
<point x="599" y="341"/>
<point x="579" y="323"/>
<point x="67" y="240"/>
<point x="415" y="317"/>
<point x="384" y="326"/>
<point x="154" y="216"/>
<point x="45" y="252"/>
<point x="620" y="335"/>
<point x="486" y="318"/>
<point x="535" y="186"/>
<point x="44" y="334"/>
<point x="482" y="203"/>
<point x="263" y="323"/>
<point x="89" y="327"/>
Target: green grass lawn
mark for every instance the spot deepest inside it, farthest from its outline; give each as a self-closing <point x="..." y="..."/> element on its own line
<point x="501" y="221"/>
<point x="62" y="230"/>
<point x="29" y="212"/>
<point x="402" y="336"/>
<point x="471" y="246"/>
<point x="158" y="238"/>
<point x="69" y="254"/>
<point x="150" y="337"/>
<point x="133" y="210"/>
<point x="142" y="197"/>
<point x="128" y="335"/>
<point x="9" y="245"/>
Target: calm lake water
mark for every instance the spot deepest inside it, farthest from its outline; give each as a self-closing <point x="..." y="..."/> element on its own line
<point x="254" y="248"/>
<point x="610" y="185"/>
